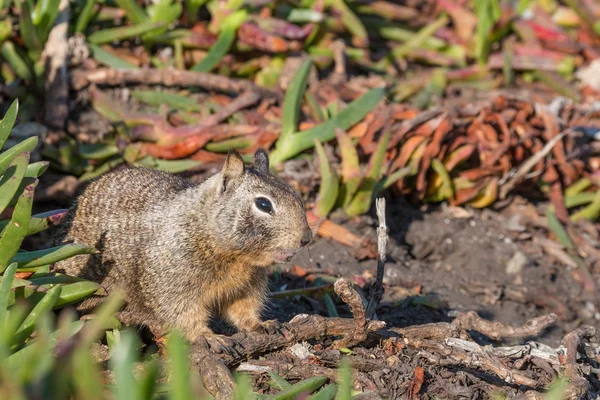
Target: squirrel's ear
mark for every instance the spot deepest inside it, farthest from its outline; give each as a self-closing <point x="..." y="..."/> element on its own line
<point x="232" y="169"/>
<point x="261" y="161"/>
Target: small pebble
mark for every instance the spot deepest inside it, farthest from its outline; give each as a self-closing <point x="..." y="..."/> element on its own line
<point x="472" y="223"/>
<point x="448" y="241"/>
<point x="516" y="263"/>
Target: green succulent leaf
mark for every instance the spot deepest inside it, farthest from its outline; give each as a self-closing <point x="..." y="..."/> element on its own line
<point x="43" y="306"/>
<point x="17" y="227"/>
<point x="328" y="190"/>
<point x="30" y="259"/>
<point x="223" y="43"/>
<point x="293" y="100"/>
<point x="8" y="122"/>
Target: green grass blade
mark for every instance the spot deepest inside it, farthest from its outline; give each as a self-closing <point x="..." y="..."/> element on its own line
<point x="328" y="190"/>
<point x="300" y="141"/>
<point x="109" y="59"/>
<point x="17" y="227"/>
<point x="172" y="166"/>
<point x="279" y="381"/>
<point x="361" y="202"/>
<point x="43" y="306"/>
<point x="8" y="122"/>
<point x="149" y="382"/>
<point x="559" y="231"/>
<point x="26" y="146"/>
<point x="51" y="255"/>
<point x="135" y="13"/>
<point x="85" y="16"/>
<point x="576" y="188"/>
<point x="75" y="292"/>
<point x="418" y="39"/>
<point x="306" y="386"/>
<point x="446" y="190"/>
<point x="330" y="306"/>
<point x="351" y="172"/>
<point x="344" y="381"/>
<point x="121" y="361"/>
<point x="176" y="101"/>
<point x="327" y="393"/>
<point x="316" y="111"/>
<point x="5" y="286"/>
<point x="579" y="199"/>
<point x="18" y="64"/>
<point x="293" y="100"/>
<point x="14" y="318"/>
<point x="352" y="23"/>
<point x="98" y="151"/>
<point x="110" y="35"/>
<point x="36" y="169"/>
<point x="223" y="43"/>
<point x="591" y="212"/>
<point x="88" y="383"/>
<point x="180" y="376"/>
<point x="243" y="389"/>
<point x="45" y="14"/>
<point x="39" y="222"/>
<point x="102" y="321"/>
<point x="29" y="32"/>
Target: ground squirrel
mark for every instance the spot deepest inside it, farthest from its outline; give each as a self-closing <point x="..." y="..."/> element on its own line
<point x="184" y="252"/>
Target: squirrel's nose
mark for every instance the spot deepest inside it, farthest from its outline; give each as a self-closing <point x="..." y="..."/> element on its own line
<point x="306" y="237"/>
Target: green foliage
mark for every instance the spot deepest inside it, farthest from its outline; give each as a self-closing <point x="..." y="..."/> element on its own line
<point x="297" y="142"/>
<point x="487" y="12"/>
<point x="224" y="42"/>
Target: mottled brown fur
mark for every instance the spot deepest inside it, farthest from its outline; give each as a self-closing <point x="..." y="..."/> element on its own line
<point x="182" y="252"/>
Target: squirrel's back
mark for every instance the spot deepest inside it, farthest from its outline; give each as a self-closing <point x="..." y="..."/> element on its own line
<point x="110" y="207"/>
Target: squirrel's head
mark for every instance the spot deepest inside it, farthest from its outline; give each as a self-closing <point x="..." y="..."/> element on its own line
<point x="261" y="216"/>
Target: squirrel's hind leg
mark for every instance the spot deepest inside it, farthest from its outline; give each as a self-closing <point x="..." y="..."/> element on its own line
<point x="244" y="313"/>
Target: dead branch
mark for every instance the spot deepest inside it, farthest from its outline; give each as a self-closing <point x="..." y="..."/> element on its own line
<point x="301" y="327"/>
<point x="245" y="100"/>
<point x="166" y="77"/>
<point x="498" y="330"/>
<point x="434" y="331"/>
<point x="452" y="352"/>
<point x="216" y="377"/>
<point x="344" y="289"/>
<point x="530" y="163"/>
<point x="339" y="70"/>
<point x="382" y="238"/>
<point x="578" y="385"/>
<point x="56" y="88"/>
<point x="302" y="371"/>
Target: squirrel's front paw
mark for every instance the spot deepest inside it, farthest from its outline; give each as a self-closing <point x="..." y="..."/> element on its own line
<point x="217" y="343"/>
<point x="271" y="327"/>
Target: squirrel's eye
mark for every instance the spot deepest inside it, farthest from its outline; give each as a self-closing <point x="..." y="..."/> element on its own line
<point x="264" y="205"/>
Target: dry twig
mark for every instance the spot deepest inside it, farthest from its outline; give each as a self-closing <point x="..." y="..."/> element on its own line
<point x="165" y="77"/>
<point x="382" y="238"/>
<point x="498" y="330"/>
<point x="469" y="354"/>
<point x="578" y="385"/>
<point x="56" y="87"/>
<point x="529" y="164"/>
<point x="344" y="289"/>
<point x="244" y="100"/>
